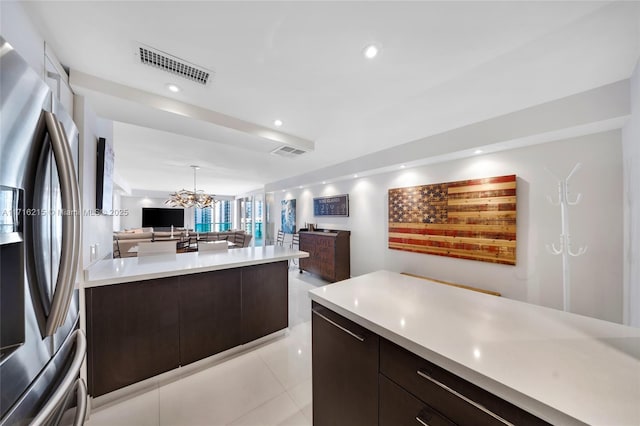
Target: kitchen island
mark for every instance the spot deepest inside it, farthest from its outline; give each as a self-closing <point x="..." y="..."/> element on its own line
<point x="150" y="315"/>
<point x="433" y="354"/>
<point x="114" y="271"/>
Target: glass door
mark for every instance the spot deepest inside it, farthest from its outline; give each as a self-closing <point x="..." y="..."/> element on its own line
<point x="223" y="220"/>
<point x="245" y="207"/>
<point x="251" y="217"/>
<point x="258" y="220"/>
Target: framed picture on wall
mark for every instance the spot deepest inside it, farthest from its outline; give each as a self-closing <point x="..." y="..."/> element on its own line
<point x="104" y="177"/>
<point x="337" y="205"/>
<point x="288" y="224"/>
<point x="471" y="219"/>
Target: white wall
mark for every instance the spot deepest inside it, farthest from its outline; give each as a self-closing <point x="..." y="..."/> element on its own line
<point x="599" y="109"/>
<point x="96" y="229"/>
<point x="537" y="277"/>
<point x="134" y="207"/>
<point x="631" y="155"/>
<point x="117" y="207"/>
<point x="19" y="31"/>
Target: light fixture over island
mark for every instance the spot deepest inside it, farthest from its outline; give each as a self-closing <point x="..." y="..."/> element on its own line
<point x="185" y="198"/>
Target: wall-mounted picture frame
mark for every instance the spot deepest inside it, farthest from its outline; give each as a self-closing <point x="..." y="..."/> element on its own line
<point x="104" y="177"/>
<point x="335" y="205"/>
<point x="288" y="223"/>
<point x="471" y="219"/>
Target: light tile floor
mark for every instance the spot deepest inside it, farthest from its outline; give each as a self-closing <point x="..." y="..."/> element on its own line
<point x="267" y="385"/>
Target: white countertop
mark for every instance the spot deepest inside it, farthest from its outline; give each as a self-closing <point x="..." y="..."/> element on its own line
<point x="114" y="271"/>
<point x="562" y="367"/>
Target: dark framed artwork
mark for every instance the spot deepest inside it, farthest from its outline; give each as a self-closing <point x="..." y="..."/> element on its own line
<point x="337" y="205"/>
<point x="104" y="177"/>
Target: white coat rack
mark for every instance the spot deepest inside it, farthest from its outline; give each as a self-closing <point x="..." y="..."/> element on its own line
<point x="564" y="248"/>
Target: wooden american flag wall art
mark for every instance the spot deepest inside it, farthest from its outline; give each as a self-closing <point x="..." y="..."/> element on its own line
<point x="469" y="219"/>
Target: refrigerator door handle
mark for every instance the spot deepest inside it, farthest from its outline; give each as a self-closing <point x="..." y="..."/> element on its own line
<point x="81" y="411"/>
<point x="75" y="194"/>
<point x="66" y="385"/>
<point x="65" y="281"/>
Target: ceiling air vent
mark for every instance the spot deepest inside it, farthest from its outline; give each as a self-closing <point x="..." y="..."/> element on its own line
<point x="288" y="151"/>
<point x="157" y="59"/>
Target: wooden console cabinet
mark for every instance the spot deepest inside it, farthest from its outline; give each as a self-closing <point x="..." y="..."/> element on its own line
<point x="329" y="254"/>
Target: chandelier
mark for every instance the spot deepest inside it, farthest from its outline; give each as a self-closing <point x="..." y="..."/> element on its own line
<point x="195" y="198"/>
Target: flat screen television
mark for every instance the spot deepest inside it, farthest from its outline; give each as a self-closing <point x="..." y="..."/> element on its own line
<point x="162" y="218"/>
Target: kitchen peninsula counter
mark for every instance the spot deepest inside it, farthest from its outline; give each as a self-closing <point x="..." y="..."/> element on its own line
<point x="115" y="271"/>
<point x="560" y="367"/>
<point x="150" y="315"/>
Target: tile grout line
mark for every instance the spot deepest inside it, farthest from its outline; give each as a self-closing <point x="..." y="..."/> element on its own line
<point x="262" y="405"/>
<point x="294" y="400"/>
<point x="284" y="390"/>
<point x="271" y="371"/>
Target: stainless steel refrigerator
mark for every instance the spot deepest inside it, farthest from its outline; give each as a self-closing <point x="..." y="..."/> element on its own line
<point x="41" y="346"/>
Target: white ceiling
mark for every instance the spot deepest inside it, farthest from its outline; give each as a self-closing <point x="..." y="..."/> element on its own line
<point x="443" y="65"/>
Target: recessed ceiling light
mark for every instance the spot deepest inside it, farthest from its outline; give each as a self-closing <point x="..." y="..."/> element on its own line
<point x="173" y="88"/>
<point x="324" y="182"/>
<point x="277" y="123"/>
<point x="371" y="51"/>
<point x="300" y="187"/>
<point x="355" y="176"/>
<point x="402" y="166"/>
<point x="477" y="151"/>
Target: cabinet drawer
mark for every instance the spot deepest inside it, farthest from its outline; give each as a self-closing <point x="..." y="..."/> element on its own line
<point x="399" y="408"/>
<point x="457" y="399"/>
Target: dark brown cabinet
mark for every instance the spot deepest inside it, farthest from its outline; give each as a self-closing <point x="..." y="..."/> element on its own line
<point x="360" y="378"/>
<point x="399" y="408"/>
<point x="329" y="254"/>
<point x="133" y="332"/>
<point x="265" y="299"/>
<point x="345" y="371"/>
<point x="457" y="399"/>
<point x="141" y="329"/>
<point x="209" y="307"/>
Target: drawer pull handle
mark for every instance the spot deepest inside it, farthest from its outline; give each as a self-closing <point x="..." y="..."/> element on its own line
<point x="462" y="397"/>
<point x="422" y="422"/>
<point x="349" y="332"/>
